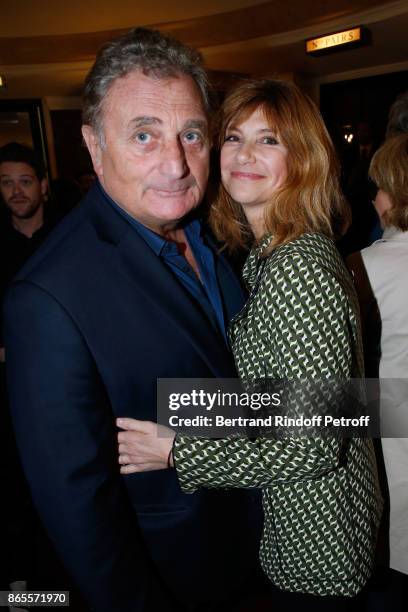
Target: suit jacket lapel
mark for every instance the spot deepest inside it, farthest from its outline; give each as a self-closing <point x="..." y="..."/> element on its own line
<point x="153" y="279"/>
<point x="233" y="295"/>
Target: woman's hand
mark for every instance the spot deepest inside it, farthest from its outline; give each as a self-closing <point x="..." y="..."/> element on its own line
<point x="144" y="446"/>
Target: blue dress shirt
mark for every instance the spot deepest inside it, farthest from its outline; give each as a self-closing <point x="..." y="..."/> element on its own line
<point x="206" y="292"/>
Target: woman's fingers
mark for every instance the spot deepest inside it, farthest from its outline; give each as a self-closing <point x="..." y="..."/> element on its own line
<point x="124" y="448"/>
<point x="131" y="441"/>
<point x="136" y="425"/>
<point x="127" y="459"/>
<point x="133" y="469"/>
<point x="143" y="445"/>
<point x="129" y="469"/>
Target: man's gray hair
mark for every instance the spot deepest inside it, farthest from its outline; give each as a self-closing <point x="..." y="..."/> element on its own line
<point x="398" y="117"/>
<point x="147" y="50"/>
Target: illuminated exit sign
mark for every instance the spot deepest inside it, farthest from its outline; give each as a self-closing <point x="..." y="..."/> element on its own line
<point x="336" y="41"/>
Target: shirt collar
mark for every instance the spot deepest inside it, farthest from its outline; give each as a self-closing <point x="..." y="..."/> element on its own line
<point x="394" y="233"/>
<point x="156" y="242"/>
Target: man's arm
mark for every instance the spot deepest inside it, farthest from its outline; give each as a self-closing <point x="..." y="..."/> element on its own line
<point x="65" y="432"/>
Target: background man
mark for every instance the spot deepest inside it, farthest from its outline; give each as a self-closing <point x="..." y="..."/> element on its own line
<point x="24" y="225"/>
<point x="23" y="187"/>
<point x="129" y="289"/>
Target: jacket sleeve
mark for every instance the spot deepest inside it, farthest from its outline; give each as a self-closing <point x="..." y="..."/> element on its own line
<point x="65" y="432"/>
<point x="305" y="327"/>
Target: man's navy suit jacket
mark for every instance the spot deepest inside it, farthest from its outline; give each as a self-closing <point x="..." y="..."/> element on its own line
<point x="92" y="321"/>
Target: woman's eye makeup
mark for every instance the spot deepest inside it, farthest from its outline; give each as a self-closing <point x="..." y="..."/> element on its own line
<point x="231" y="138"/>
<point x="269" y="140"/>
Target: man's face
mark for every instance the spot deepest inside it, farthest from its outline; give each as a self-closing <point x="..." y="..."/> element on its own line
<point x="21" y="190"/>
<point x="154" y="161"/>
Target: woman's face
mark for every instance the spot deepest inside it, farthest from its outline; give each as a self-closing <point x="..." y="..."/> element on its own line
<point x="382" y="204"/>
<point x="253" y="162"/>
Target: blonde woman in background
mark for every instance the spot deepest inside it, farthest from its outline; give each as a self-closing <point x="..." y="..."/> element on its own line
<point x="382" y="283"/>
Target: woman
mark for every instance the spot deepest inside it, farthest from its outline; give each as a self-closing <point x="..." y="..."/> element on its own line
<point x="280" y="192"/>
<point x="383" y="291"/>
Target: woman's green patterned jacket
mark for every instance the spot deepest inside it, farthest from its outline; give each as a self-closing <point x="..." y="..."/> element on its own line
<point x="321" y="512"/>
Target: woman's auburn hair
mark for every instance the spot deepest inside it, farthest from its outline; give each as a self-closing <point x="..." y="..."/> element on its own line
<point x="310" y="200"/>
<point x="389" y="171"/>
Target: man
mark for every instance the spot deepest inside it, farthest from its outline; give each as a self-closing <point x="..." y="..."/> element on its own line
<point x="23" y="187"/>
<point x="398" y="116"/>
<point x="23" y="227"/>
<point x="128" y="290"/>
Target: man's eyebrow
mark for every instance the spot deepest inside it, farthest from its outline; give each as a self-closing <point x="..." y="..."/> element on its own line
<point x="145" y="120"/>
<point x="196" y="124"/>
